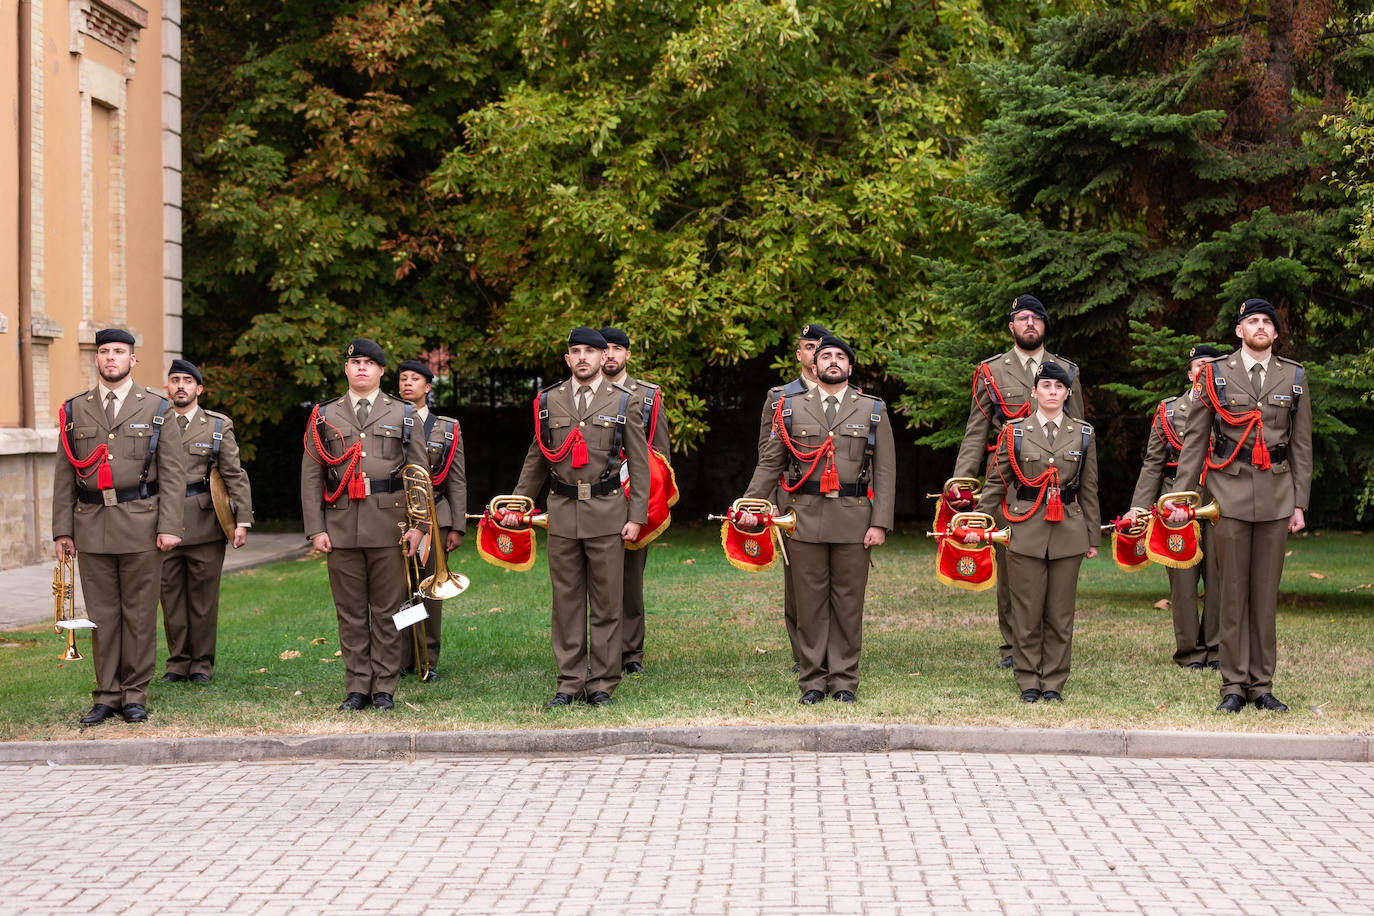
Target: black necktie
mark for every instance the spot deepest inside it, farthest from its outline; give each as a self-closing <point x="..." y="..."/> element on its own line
<point x="364" y="409"/>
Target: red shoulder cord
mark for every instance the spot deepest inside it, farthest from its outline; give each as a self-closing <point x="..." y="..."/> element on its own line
<point x="1009" y="412"/>
<point x="357" y="488"/>
<point x="574" y="443"/>
<point x="1165" y="429"/>
<point x="830" y="478"/>
<point x="1047" y="481"/>
<point x="448" y="462"/>
<point x="1251" y="420"/>
<point x="104" y="477"/>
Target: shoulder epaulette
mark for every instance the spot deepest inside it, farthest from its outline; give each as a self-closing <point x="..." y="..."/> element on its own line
<point x="1291" y="362"/>
<point x="864" y="394"/>
<point x="795" y="387"/>
<point x="1087" y="427"/>
<point x="994" y="358"/>
<point x="157" y="391"/>
<point x="553" y="386"/>
<point x="215" y="413"/>
<point x="621" y="387"/>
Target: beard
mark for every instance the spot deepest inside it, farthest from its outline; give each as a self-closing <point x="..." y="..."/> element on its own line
<point x="833" y="375"/>
<point x="182" y="398"/>
<point x="116" y="375"/>
<point x="1259" y="346"/>
<point x="583" y="372"/>
<point x="1028" y="340"/>
<point x="611" y="368"/>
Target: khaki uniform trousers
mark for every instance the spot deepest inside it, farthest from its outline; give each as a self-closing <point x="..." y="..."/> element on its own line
<point x="1250" y="565"/>
<point x="1004" y="612"/>
<point x="369" y="586"/>
<point x="632" y="622"/>
<point x="190" y="606"/>
<point x="1042" y="605"/>
<point x="428" y="629"/>
<point x="587" y="580"/>
<point x="829" y="582"/>
<point x="121" y="592"/>
<point x="1195" y="637"/>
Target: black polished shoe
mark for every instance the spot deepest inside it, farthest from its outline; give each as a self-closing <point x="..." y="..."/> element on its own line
<point x="428" y="675"/>
<point x="796" y="667"/>
<point x="1232" y="702"/>
<point x="1195" y="666"/>
<point x="1271" y="703"/>
<point x="811" y="698"/>
<point x="1051" y="696"/>
<point x="199" y="678"/>
<point x="559" y="699"/>
<point x="383" y="701"/>
<point x="1214" y="665"/>
<point x="1006" y="662"/>
<point x="1030" y="695"/>
<point x="132" y="712"/>
<point x="845" y="696"/>
<point x="634" y="668"/>
<point x="599" y="698"/>
<point x="354" y="701"/>
<point x="408" y="670"/>
<point x="171" y="678"/>
<point x="99" y="713"/>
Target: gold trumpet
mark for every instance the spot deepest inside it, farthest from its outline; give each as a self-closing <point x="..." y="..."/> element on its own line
<point x="975" y="522"/>
<point x="973" y="483"/>
<point x="522" y="506"/>
<point x="778" y="523"/>
<point x="1190" y="500"/>
<point x="64" y="607"/>
<point x="420" y="511"/>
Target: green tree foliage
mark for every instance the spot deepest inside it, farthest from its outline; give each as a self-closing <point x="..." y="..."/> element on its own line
<point x="1143" y="174"/>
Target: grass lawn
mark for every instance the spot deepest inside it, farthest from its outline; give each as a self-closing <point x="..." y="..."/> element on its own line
<point x="717" y="654"/>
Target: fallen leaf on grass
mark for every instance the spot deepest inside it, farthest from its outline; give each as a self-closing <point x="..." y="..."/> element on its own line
<point x="1356" y="588"/>
<point x="760" y="650"/>
<point x="289" y="653"/>
<point x="329" y="659"/>
<point x="262" y="671"/>
<point x="1288" y="553"/>
<point x="411" y="705"/>
<point x="300" y="639"/>
<point x="318" y="641"/>
<point x="338" y="654"/>
<point x="914" y="674"/>
<point x="496" y="610"/>
<point x="297" y="693"/>
<point x="1316" y="576"/>
<point x="689" y="562"/>
<point x="1163" y="604"/>
<point x="748" y="702"/>
<point x="1316" y="710"/>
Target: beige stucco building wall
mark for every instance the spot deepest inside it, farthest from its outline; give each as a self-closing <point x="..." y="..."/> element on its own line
<point x="90" y="175"/>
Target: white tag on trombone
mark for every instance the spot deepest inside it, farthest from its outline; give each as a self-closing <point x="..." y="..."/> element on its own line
<point x="423" y="552"/>
<point x="80" y="623"/>
<point x="409" y="615"/>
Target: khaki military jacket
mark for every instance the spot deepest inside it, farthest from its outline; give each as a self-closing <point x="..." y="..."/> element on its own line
<point x="451" y="496"/>
<point x="373" y="520"/>
<point x="644" y="394"/>
<point x="839" y="519"/>
<point x="1037" y="537"/>
<point x="127" y="527"/>
<point x="197" y="444"/>
<point x="985" y="418"/>
<point x="596" y="516"/>
<point x="1153" y="482"/>
<point x="1242" y="491"/>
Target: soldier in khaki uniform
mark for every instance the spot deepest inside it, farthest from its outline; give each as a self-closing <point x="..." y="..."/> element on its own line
<point x="353" y="503"/>
<point x="843" y="503"/>
<point x="811" y="334"/>
<point x="1195" y="638"/>
<point x="1001" y="392"/>
<point x="646" y="406"/>
<point x="117" y="497"/>
<point x="582" y="432"/>
<point x="1044" y="479"/>
<point x="444" y="445"/>
<point x="1253" y="408"/>
<point x="191" y="570"/>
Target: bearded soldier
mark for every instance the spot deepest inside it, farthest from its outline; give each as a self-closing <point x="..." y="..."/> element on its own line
<point x="1002" y="388"/>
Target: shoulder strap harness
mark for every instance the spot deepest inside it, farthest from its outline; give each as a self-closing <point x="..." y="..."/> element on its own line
<point x="98" y="459"/>
<point x="216" y="438"/>
<point x="782" y="428"/>
<point x="350" y="457"/>
<point x="451" y="436"/>
<point x="1164" y="428"/>
<point x="1211" y="390"/>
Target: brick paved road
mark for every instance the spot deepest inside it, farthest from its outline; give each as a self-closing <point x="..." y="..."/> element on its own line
<point x="806" y="833"/>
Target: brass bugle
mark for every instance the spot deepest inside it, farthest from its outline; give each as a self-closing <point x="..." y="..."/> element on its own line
<point x="975" y="521"/>
<point x="1190" y="500"/>
<point x="522" y="506"/>
<point x="64" y="605"/>
<point x="1136" y="529"/>
<point x="973" y="483"/>
<point x="777" y="523"/>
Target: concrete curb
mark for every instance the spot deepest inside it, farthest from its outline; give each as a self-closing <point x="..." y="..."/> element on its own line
<point x="753" y="739"/>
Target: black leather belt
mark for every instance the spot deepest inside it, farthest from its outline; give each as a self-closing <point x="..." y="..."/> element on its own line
<point x="197" y="488"/>
<point x="813" y="487"/>
<point x="574" y="491"/>
<point x="1030" y="494"/>
<point x="1222" y="448"/>
<point x="386" y="485"/>
<point x="125" y="495"/>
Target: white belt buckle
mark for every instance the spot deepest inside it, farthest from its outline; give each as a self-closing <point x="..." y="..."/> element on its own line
<point x="584" y="490"/>
<point x="367" y="486"/>
<point x="109" y="497"/>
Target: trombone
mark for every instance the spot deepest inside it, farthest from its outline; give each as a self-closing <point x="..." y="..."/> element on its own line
<point x="421" y="512"/>
<point x="64" y="607"/>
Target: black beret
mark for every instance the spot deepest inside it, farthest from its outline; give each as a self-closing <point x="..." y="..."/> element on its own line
<point x="113" y="335"/>
<point x="616" y="336"/>
<point x="1203" y="351"/>
<point x="813" y="331"/>
<point x="829" y="341"/>
<point x="364" y="348"/>
<point x="414" y="365"/>
<point x="186" y="367"/>
<point x="1049" y="369"/>
<point x="587" y="337"/>
<point x="1257" y="307"/>
<point x="1028" y="303"/>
